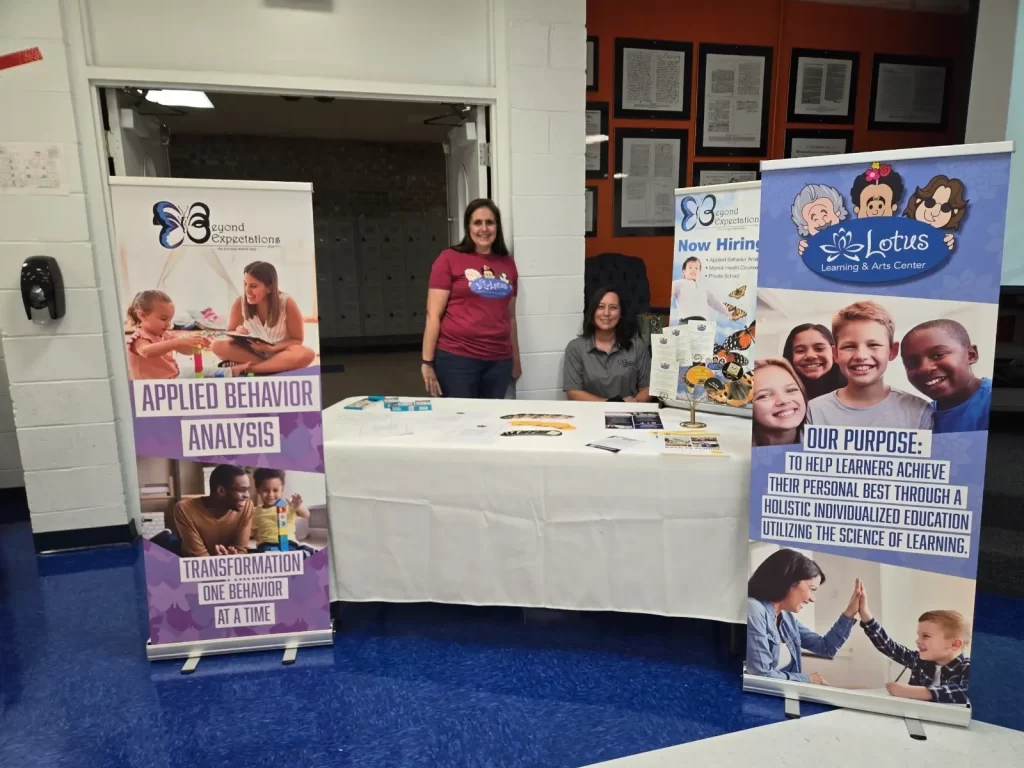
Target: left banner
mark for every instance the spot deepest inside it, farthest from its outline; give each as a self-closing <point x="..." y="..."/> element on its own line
<point x="218" y="294"/>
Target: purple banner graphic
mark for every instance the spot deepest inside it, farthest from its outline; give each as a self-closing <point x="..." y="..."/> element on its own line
<point x="218" y="290"/>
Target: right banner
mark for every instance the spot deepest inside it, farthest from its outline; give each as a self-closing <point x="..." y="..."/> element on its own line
<point x="877" y="301"/>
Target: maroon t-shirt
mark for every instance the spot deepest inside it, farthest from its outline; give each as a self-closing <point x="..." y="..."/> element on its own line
<point x="476" y="322"/>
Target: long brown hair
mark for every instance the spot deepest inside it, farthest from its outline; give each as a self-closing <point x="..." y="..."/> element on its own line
<point x="143" y="302"/>
<point x="956" y="199"/>
<point x="266" y="273"/>
<point x="784" y="364"/>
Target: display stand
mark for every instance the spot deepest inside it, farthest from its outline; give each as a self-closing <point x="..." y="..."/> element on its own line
<point x="193" y="651"/>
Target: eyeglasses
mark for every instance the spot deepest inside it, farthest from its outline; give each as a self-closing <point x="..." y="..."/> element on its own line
<point x="931" y="202"/>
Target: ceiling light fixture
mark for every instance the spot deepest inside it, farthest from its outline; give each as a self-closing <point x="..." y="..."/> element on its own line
<point x="597" y="138"/>
<point x="190" y="99"/>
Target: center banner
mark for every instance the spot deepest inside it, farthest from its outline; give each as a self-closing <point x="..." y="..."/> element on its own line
<point x="714" y="276"/>
<point x="878" y="290"/>
<point x="218" y="293"/>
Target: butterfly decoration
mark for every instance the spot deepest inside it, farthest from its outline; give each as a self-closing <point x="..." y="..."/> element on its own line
<point x="741" y="339"/>
<point x="697" y="210"/>
<point x="723" y="355"/>
<point x="739" y="293"/>
<point x="735" y="312"/>
<point x="177" y="224"/>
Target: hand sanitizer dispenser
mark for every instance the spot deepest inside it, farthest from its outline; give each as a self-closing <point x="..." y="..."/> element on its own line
<point x="42" y="287"/>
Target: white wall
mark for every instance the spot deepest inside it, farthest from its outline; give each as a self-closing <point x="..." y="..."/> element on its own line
<point x="59" y="373"/>
<point x="1013" y="256"/>
<point x="68" y="380"/>
<point x="547" y="94"/>
<point x="411" y="41"/>
<point x="10" y="460"/>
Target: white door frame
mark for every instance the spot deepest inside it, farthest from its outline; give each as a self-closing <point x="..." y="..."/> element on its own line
<point x="87" y="80"/>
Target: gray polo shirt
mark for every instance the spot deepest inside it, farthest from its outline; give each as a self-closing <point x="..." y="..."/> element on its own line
<point x="619" y="373"/>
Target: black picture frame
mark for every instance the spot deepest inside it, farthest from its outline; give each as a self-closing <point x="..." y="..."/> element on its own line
<point x="621" y="43"/>
<point x="621" y="134"/>
<point x="602" y="108"/>
<point x="817" y="133"/>
<point x="765" y="52"/>
<point x="919" y="61"/>
<point x="593" y="45"/>
<point x="794" y="68"/>
<point x="593" y="192"/>
<point x="708" y="165"/>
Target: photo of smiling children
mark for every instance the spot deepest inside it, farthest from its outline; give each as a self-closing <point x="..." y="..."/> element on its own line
<point x="872" y="394"/>
<point x="902" y="366"/>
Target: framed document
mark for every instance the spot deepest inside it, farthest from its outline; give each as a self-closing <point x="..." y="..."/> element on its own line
<point x="910" y="93"/>
<point x="733" y="96"/>
<point x="650" y="164"/>
<point x="652" y="79"/>
<point x="591" y="210"/>
<point x="592" y="64"/>
<point x="597" y="147"/>
<point x="808" y="142"/>
<point x="705" y="173"/>
<point x="822" y="86"/>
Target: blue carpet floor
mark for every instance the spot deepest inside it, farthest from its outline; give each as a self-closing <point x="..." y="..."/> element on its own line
<point x="415" y="685"/>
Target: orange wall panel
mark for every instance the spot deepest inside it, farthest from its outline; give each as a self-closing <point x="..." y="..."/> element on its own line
<point x="783" y="25"/>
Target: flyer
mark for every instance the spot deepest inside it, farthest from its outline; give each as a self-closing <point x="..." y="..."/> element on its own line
<point x="877" y="303"/>
<point x="714" y="290"/>
<point x="217" y="288"/>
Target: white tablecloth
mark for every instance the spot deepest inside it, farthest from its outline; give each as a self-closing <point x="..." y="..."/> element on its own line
<point x="536" y="521"/>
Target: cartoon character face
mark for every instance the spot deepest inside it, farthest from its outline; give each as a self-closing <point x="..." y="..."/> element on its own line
<point x="819" y="214"/>
<point x="503" y="277"/>
<point x="488" y="272"/>
<point x="875" y="200"/>
<point x="936" y="210"/>
<point x="877" y="191"/>
<point x="940" y="203"/>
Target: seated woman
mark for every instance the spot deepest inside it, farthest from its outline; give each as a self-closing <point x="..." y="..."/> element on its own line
<point x="608" y="362"/>
<point x="272" y="319"/>
<point x="780" y="403"/>
<point x="779" y="589"/>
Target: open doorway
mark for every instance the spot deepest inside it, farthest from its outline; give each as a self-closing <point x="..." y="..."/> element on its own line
<point x="390" y="181"/>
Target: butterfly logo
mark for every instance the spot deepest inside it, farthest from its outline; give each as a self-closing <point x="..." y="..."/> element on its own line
<point x="697" y="211"/>
<point x="176" y="225"/>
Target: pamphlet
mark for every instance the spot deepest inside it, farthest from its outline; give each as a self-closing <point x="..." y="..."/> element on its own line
<point x="630" y="420"/>
<point x="616" y="443"/>
<point x="692" y="444"/>
<point x="618" y="420"/>
<point x="664" y="365"/>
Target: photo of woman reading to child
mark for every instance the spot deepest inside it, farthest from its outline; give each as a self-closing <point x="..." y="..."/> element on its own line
<point x="271" y="321"/>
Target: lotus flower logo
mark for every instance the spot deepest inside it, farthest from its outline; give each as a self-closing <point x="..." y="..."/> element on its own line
<point x="842" y="245"/>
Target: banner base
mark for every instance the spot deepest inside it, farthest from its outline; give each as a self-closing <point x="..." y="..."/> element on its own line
<point x="947" y="714"/>
<point x="200" y="648"/>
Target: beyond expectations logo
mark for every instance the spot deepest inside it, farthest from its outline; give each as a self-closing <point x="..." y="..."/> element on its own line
<point x="180" y="225"/>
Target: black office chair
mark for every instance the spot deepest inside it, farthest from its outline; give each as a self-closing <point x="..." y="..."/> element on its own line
<point x="627" y="274"/>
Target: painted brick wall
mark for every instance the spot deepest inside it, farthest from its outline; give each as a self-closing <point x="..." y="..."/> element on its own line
<point x="60" y="386"/>
<point x="547" y="84"/>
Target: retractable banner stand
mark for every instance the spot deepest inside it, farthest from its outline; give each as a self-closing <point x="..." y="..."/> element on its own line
<point x="877" y="301"/>
<point x="218" y="294"/>
<point x="714" y="276"/>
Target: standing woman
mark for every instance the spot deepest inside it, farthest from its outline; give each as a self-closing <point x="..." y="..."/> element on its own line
<point x="809" y="348"/>
<point x="470" y="343"/>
